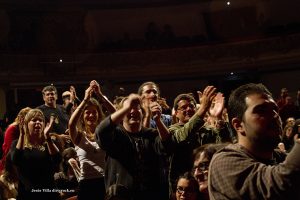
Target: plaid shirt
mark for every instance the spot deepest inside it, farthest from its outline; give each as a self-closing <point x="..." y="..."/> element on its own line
<point x="236" y="174"/>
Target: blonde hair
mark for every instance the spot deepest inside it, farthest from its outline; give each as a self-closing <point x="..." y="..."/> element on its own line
<point x="21" y="114"/>
<point x="31" y="114"/>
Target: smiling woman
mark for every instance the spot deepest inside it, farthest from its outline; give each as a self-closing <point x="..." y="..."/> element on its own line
<point x="187" y="188"/>
<point x="82" y="127"/>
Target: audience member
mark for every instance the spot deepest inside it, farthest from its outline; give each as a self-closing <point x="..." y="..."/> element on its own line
<point x="289" y="122"/>
<point x="250" y="169"/>
<point x="51" y="108"/>
<point x="12" y="133"/>
<point x="190" y="132"/>
<point x="186" y="188"/>
<point x="66" y="179"/>
<point x="281" y="100"/>
<point x="288" y="138"/>
<point x="133" y="150"/>
<point x="202" y="157"/>
<point x="9" y="180"/>
<point x="82" y="127"/>
<point x="70" y="100"/>
<point x="36" y="158"/>
<point x="150" y="94"/>
<point x="289" y="109"/>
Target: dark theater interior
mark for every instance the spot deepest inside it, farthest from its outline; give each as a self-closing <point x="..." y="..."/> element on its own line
<point x="183" y="46"/>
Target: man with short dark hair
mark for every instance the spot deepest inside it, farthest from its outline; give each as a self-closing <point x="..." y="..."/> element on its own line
<point x="250" y="169"/>
<point x="51" y="108"/>
<point x="133" y="150"/>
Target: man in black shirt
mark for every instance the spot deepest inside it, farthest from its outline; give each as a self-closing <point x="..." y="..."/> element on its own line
<point x="51" y="108"/>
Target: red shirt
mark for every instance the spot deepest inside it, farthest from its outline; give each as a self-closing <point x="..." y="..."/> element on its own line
<point x="11" y="134"/>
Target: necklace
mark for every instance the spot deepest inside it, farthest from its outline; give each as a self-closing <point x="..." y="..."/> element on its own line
<point x="36" y="146"/>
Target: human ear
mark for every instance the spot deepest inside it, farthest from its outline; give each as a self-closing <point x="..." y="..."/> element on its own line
<point x="238" y="125"/>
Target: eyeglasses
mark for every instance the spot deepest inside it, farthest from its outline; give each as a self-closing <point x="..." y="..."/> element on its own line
<point x="187" y="190"/>
<point x="202" y="166"/>
<point x="183" y="108"/>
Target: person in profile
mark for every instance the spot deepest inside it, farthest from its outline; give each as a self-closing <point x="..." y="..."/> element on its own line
<point x="251" y="168"/>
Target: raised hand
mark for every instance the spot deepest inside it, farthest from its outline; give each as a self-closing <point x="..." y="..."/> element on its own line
<point x="217" y="105"/>
<point x="206" y="97"/>
<point x="156" y="110"/>
<point x="49" y="126"/>
<point x="163" y="103"/>
<point x="132" y="101"/>
<point x="21" y="126"/>
<point x="96" y="87"/>
<point x="88" y="93"/>
<point x="73" y="93"/>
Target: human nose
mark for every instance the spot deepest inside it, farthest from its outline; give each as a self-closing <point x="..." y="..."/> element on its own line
<point x="38" y="122"/>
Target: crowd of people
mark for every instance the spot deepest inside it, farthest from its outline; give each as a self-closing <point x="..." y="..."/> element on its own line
<point x="137" y="147"/>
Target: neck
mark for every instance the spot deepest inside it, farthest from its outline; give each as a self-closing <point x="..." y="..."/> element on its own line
<point x="257" y="150"/>
<point x="35" y="141"/>
<point x="51" y="105"/>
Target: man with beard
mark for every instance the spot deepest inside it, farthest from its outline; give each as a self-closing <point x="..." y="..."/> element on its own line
<point x="133" y="150"/>
<point x="250" y="169"/>
<point x="150" y="94"/>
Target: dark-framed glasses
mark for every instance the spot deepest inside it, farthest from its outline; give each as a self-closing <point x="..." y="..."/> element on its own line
<point x="187" y="190"/>
<point x="185" y="107"/>
<point x="203" y="166"/>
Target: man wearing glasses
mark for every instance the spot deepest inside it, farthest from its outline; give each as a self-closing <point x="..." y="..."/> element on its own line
<point x="191" y="131"/>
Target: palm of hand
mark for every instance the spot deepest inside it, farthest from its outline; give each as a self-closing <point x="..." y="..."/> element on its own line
<point x="217" y="105"/>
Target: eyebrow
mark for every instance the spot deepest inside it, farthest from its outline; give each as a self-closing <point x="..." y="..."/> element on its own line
<point x="266" y="105"/>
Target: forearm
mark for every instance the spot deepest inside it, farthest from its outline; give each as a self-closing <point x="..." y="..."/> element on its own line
<point x="162" y="130"/>
<point x="52" y="148"/>
<point x="293" y="157"/>
<point x="107" y="103"/>
<point x="118" y="116"/>
<point x="74" y="120"/>
<point x="20" y="144"/>
<point x="146" y="121"/>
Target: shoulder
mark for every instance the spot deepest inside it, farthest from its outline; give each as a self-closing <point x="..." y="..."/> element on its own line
<point x="233" y="157"/>
<point x="11" y="128"/>
<point x="42" y="107"/>
<point x="174" y="127"/>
